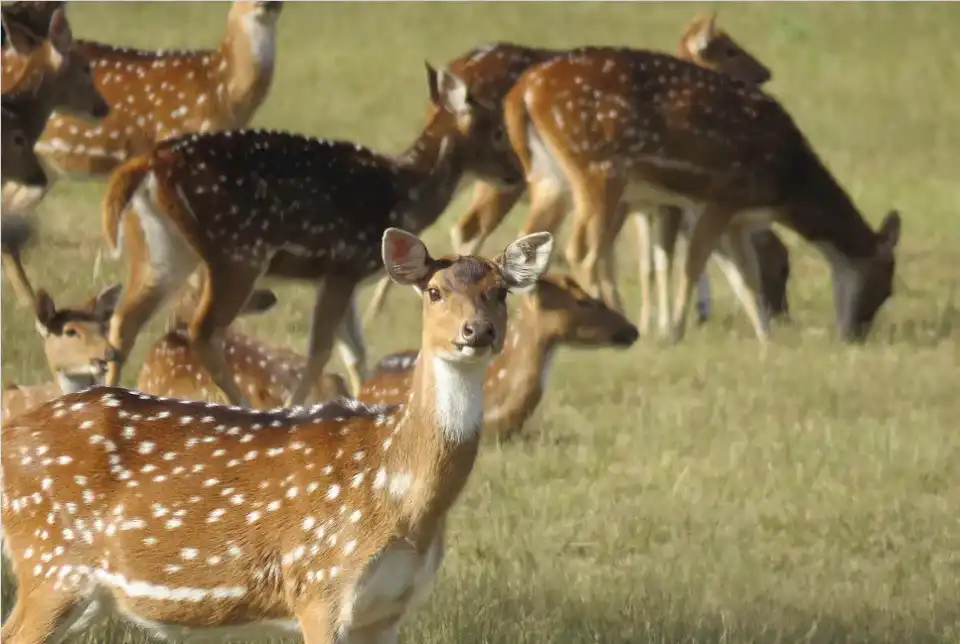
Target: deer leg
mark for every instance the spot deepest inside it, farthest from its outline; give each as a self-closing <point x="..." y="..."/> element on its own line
<point x="645" y="255"/>
<point x="704" y="297"/>
<point x="739" y="263"/>
<point x="609" y="290"/>
<point x="703" y="240"/>
<point x="225" y="294"/>
<point x="24" y="199"/>
<point x="596" y="200"/>
<point x="376" y="302"/>
<point x="667" y="229"/>
<point x="386" y="631"/>
<point x="316" y="624"/>
<point x="487" y="211"/>
<point x="42" y="616"/>
<point x="334" y="295"/>
<point x="17" y="276"/>
<point x="353" y="349"/>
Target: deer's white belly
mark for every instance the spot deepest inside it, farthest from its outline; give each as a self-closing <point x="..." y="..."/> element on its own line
<point x="394" y="582"/>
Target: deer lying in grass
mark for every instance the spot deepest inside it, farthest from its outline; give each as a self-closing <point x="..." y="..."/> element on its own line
<point x="191" y="518"/>
<point x="266" y="374"/>
<point x="490" y="71"/>
<point x="244" y="204"/>
<point x="610" y="123"/>
<point x="74" y="339"/>
<point x="557" y="313"/>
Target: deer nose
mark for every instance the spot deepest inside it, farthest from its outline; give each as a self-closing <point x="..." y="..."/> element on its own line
<point x="626" y="337"/>
<point x="101" y="109"/>
<point x="478" y="333"/>
<point x="111" y="355"/>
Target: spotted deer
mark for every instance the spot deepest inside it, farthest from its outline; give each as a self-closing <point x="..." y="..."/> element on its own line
<point x="191" y="518"/>
<point x="655" y="129"/>
<point x="296" y="208"/>
<point x="490" y="71"/>
<point x="556" y="313"/>
<point x="155" y="95"/>
<point x="266" y="374"/>
<point x="74" y="338"/>
<point x="50" y="74"/>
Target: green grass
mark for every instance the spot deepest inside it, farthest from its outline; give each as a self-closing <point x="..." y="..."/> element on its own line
<point x="691" y="494"/>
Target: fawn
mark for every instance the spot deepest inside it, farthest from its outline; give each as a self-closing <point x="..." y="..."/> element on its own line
<point x="194" y="518"/>
<point x="558" y="312"/>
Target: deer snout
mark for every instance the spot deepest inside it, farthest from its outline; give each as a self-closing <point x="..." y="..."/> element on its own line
<point x="626" y="336"/>
<point x="101" y="108"/>
<point x="478" y="333"/>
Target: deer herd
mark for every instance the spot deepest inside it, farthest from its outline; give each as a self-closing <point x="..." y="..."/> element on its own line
<point x="242" y="490"/>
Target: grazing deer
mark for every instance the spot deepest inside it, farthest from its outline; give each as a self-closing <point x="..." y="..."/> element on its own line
<point x="267" y="374"/>
<point x="296" y="207"/>
<point x="50" y="74"/>
<point x="74" y="339"/>
<point x="192" y="518"/>
<point x="155" y="95"/>
<point x="490" y="72"/>
<point x="613" y="122"/>
<point x="557" y="313"/>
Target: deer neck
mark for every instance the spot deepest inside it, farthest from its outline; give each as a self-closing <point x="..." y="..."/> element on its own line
<point x="72" y="383"/>
<point x="435" y="442"/>
<point x="246" y="66"/>
<point x="431" y="169"/>
<point x="517" y="378"/>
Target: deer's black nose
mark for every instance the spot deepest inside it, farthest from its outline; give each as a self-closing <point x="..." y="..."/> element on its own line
<point x="478" y="333"/>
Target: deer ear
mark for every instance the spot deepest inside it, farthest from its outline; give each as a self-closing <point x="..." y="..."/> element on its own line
<point x="432" y="83"/>
<point x="105" y="302"/>
<point x="21" y="40"/>
<point x="60" y="34"/>
<point x="453" y="93"/>
<point x="405" y="258"/>
<point x="703" y="34"/>
<point x="44" y="310"/>
<point x="261" y="301"/>
<point x="525" y="260"/>
<point x="889" y="232"/>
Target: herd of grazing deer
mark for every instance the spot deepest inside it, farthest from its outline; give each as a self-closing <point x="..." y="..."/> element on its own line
<point x="194" y="518"/>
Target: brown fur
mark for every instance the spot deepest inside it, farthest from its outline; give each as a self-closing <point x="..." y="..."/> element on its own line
<point x="331" y="517"/>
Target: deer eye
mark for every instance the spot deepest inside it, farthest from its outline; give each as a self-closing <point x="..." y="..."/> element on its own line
<point x="70" y="332"/>
<point x="433" y="294"/>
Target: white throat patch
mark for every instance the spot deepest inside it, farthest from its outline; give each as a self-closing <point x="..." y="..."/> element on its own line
<point x="459" y="398"/>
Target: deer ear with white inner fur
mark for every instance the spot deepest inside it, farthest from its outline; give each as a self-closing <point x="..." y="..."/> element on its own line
<point x="453" y="92"/>
<point x="525" y="260"/>
<point x="405" y="258"/>
<point x="44" y="310"/>
<point x="60" y="34"/>
<point x="106" y="301"/>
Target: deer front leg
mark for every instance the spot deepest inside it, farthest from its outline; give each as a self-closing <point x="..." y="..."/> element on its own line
<point x="376" y="302"/>
<point x="489" y="207"/>
<point x="668" y="222"/>
<point x="332" y="301"/>
<point x="352" y="347"/>
<point x="703" y="240"/>
<point x="741" y="267"/>
<point x="17" y="276"/>
<point x="642" y="221"/>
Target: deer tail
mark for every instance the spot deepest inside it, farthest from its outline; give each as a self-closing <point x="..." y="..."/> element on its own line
<point x="516" y="117"/>
<point x="120" y="189"/>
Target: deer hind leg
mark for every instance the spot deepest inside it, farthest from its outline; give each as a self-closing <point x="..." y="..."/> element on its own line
<point x="487" y="211"/>
<point x="17" y="276"/>
<point x="334" y="295"/>
<point x="352" y="347"/>
<point x="597" y="221"/>
<point x="376" y="302"/>
<point x="738" y="260"/>
<point x="668" y="223"/>
<point x="643" y="222"/>
<point x="160" y="263"/>
<point x="43" y="615"/>
<point x="607" y="265"/>
<point x="225" y="294"/>
<point x="704" y="237"/>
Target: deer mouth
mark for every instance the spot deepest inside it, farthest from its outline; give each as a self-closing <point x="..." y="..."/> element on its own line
<point x="471" y="351"/>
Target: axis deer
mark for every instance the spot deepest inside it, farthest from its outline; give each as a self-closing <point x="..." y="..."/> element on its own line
<point x="50" y="74"/>
<point x="267" y="374"/>
<point x="296" y="208"/>
<point x="74" y="338"/>
<point x="490" y="71"/>
<point x="557" y="313"/>
<point x="156" y="95"/>
<point x="666" y="131"/>
<point x="193" y="518"/>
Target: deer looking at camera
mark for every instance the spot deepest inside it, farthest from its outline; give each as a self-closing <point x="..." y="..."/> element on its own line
<point x="490" y="71"/>
<point x="74" y="338"/>
<point x="650" y="128"/>
<point x="198" y="519"/>
<point x="296" y="208"/>
<point x="556" y="313"/>
<point x="155" y="95"/>
<point x="266" y="374"/>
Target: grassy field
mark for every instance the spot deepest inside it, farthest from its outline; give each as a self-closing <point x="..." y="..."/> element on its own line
<point x="691" y="494"/>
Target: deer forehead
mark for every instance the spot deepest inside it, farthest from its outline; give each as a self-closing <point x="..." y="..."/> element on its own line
<point x="468" y="275"/>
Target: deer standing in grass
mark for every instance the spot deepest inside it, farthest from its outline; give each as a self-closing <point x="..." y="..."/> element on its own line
<point x="295" y="207"/>
<point x="490" y="71"/>
<point x="156" y="95"/>
<point x="74" y="339"/>
<point x="196" y="519"/>
<point x="266" y="374"/>
<point x="50" y="73"/>
<point x="611" y="123"/>
<point x="556" y="313"/>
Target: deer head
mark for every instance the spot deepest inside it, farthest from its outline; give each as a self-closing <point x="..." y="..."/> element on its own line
<point x="705" y="44"/>
<point x="860" y="296"/>
<point x="74" y="340"/>
<point x="567" y="313"/>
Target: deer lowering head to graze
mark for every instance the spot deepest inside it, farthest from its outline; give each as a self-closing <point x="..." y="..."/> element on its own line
<point x="74" y="338"/>
<point x="557" y="313"/>
<point x="155" y="95"/>
<point x="610" y="123"/>
<point x="295" y="207"/>
<point x="192" y="518"/>
<point x="266" y="374"/>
